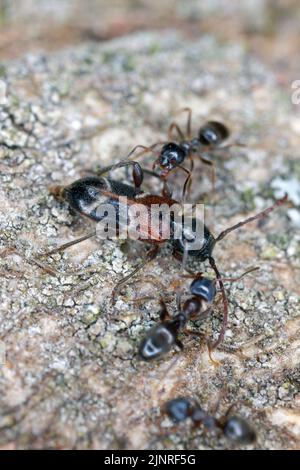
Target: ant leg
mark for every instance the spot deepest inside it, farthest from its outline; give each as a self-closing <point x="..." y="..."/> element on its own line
<point x="192" y="162"/>
<point x="179" y="344"/>
<point x="145" y="149"/>
<point x="201" y="335"/>
<point x="225" y="306"/>
<point x="45" y="268"/>
<point x="175" y="126"/>
<point x="198" y="275"/>
<point x="260" y="215"/>
<point x="151" y="173"/>
<point x="235" y="279"/>
<point x="223" y="419"/>
<point x="10" y="250"/>
<point x="189" y="121"/>
<point x="137" y="171"/>
<point x="149" y="257"/>
<point x="166" y="191"/>
<point x="71" y="243"/>
<point x="189" y="183"/>
<point x="229" y="410"/>
<point x="163" y="314"/>
<point x="224" y="279"/>
<point x="186" y="183"/>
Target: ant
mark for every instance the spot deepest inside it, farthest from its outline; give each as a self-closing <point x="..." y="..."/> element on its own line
<point x="86" y="196"/>
<point x="233" y="427"/>
<point x="160" y="339"/>
<point x="173" y="154"/>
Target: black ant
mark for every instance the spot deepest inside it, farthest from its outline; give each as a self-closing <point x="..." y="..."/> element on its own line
<point x="162" y="337"/>
<point x="86" y="196"/>
<point x="233" y="427"/>
<point x="173" y="154"/>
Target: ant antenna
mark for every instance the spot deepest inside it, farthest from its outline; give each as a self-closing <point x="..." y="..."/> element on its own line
<point x="260" y="215"/>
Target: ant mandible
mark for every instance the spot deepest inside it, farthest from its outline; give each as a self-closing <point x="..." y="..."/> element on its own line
<point x="86" y="196"/>
<point x="160" y="339"/>
<point x="173" y="154"/>
<point x="235" y="428"/>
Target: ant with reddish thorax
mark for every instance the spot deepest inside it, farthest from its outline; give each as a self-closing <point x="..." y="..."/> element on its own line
<point x="173" y="153"/>
<point x="235" y="428"/>
<point x="86" y="196"/>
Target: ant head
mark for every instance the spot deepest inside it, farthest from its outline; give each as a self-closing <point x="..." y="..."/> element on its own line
<point x="213" y="133"/>
<point x="179" y="409"/>
<point x="195" y="238"/>
<point x="239" y="430"/>
<point x="171" y="156"/>
<point x="159" y="340"/>
<point x="85" y="194"/>
<point x="204" y="288"/>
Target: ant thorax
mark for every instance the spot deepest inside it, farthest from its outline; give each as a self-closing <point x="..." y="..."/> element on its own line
<point x="200" y="416"/>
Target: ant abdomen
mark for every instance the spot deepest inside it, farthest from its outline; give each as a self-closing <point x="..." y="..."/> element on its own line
<point x="159" y="340"/>
<point x="204" y="288"/>
<point x="86" y="195"/>
<point x="239" y="430"/>
<point x="179" y="409"/>
<point x="213" y="133"/>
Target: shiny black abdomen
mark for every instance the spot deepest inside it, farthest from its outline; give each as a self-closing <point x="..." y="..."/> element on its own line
<point x="159" y="340"/>
<point x="88" y="195"/>
<point x="204" y="288"/>
<point x="239" y="430"/>
<point x="179" y="409"/>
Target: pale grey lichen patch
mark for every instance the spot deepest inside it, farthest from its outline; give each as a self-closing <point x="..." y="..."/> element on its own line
<point x="72" y="376"/>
